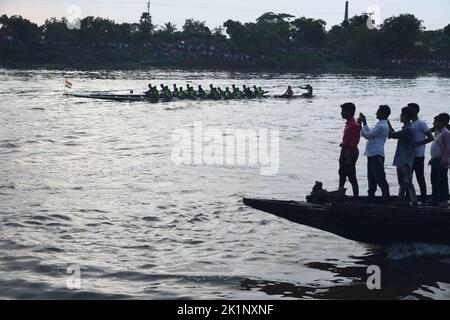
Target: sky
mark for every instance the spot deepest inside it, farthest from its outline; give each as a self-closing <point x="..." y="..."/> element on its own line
<point x="434" y="13"/>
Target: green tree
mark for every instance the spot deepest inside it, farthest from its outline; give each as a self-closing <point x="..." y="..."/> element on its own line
<point x="218" y="34"/>
<point x="441" y="42"/>
<point x="447" y="31"/>
<point x="399" y="35"/>
<point x="239" y="34"/>
<point x="309" y="32"/>
<point x="270" y="33"/>
<point x="94" y="30"/>
<point x="146" y="26"/>
<point x="55" y="30"/>
<point x="196" y="30"/>
<point x="274" y="18"/>
<point x="168" y="32"/>
<point x="169" y="28"/>
<point x="19" y="29"/>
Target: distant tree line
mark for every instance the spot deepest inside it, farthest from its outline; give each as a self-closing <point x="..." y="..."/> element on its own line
<point x="273" y="37"/>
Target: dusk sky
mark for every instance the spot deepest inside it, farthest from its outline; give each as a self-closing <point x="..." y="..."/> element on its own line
<point x="434" y="13"/>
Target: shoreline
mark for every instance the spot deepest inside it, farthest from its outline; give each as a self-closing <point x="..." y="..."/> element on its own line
<point x="243" y="68"/>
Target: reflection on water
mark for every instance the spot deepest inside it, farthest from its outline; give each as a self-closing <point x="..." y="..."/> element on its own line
<point x="409" y="278"/>
<point x="91" y="184"/>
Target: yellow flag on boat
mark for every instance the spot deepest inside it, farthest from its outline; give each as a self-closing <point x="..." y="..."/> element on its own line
<point x="68" y="84"/>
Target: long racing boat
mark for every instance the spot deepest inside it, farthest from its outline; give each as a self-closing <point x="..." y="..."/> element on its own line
<point x="143" y="97"/>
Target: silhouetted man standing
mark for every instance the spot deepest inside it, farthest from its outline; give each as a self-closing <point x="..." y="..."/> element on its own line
<point x="376" y="139"/>
<point x="349" y="149"/>
<point x="422" y="136"/>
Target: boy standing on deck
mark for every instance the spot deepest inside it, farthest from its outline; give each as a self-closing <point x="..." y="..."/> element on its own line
<point x="404" y="154"/>
<point x="422" y="136"/>
<point x="440" y="162"/>
<point x="349" y="149"/>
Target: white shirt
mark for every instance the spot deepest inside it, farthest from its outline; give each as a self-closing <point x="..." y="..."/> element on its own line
<point x="440" y="144"/>
<point x="376" y="138"/>
<point x="420" y="129"/>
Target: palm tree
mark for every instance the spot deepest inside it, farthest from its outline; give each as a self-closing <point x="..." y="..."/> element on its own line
<point x="169" y="28"/>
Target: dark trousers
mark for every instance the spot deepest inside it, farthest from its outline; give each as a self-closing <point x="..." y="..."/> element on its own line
<point x="404" y="176"/>
<point x="347" y="169"/>
<point x="439" y="181"/>
<point x="376" y="176"/>
<point x="418" y="170"/>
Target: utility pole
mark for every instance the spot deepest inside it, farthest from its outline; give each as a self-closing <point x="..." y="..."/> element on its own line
<point x="148" y="7"/>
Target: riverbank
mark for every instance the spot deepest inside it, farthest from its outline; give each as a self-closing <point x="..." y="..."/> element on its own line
<point x="330" y="68"/>
<point x="134" y="59"/>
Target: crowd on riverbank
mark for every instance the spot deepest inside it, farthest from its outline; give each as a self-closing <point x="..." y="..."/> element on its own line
<point x="441" y="63"/>
<point x="195" y="51"/>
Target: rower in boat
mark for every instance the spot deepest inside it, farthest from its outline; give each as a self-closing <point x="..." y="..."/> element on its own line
<point x="152" y="93"/>
<point x="288" y="94"/>
<point x="187" y="92"/>
<point x="166" y="94"/>
<point x="237" y="94"/>
<point x="162" y="88"/>
<point x="190" y="92"/>
<point x="201" y="93"/>
<point x="155" y="93"/>
<point x="220" y="91"/>
<point x="175" y="90"/>
<point x="258" y="92"/>
<point x="149" y="91"/>
<point x="227" y="94"/>
<point x="181" y="93"/>
<point x="309" y="94"/>
<point x="244" y="91"/>
<point x="213" y="93"/>
<point x="248" y="93"/>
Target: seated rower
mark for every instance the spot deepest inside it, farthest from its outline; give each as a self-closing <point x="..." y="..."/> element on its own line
<point x="181" y="93"/>
<point x="256" y="93"/>
<point x="236" y="92"/>
<point x="309" y="94"/>
<point x="248" y="93"/>
<point x="149" y="91"/>
<point x="213" y="93"/>
<point x="192" y="94"/>
<point x="175" y="90"/>
<point x="201" y="93"/>
<point x="227" y="94"/>
<point x="220" y="93"/>
<point x="188" y="92"/>
<point x="244" y="90"/>
<point x="155" y="93"/>
<point x="167" y="94"/>
<point x="289" y="93"/>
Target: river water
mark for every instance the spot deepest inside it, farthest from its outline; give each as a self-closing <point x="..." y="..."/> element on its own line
<point x="91" y="191"/>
